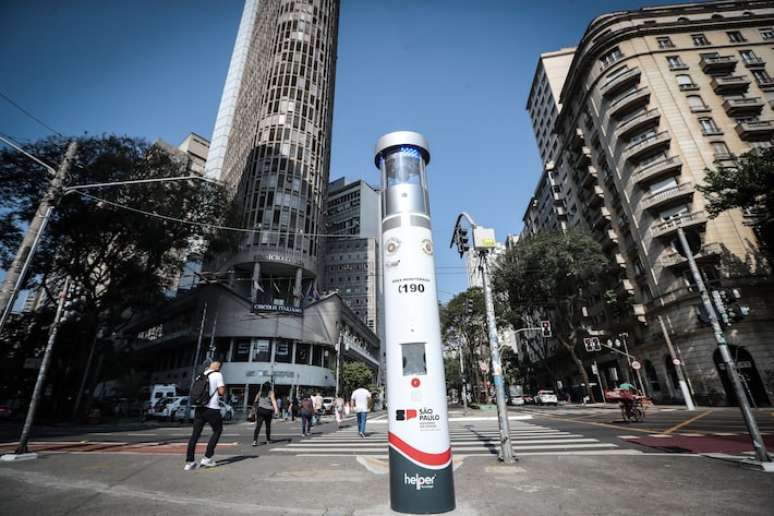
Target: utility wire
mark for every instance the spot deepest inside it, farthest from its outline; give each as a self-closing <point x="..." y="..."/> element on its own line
<point x="33" y="117"/>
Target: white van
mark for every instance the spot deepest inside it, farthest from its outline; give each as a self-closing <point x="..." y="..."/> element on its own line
<point x="160" y="391"/>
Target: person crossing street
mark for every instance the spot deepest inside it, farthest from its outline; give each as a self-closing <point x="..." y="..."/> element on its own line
<point x="210" y="385"/>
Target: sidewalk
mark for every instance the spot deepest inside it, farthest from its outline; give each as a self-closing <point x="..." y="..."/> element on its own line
<point x="264" y="484"/>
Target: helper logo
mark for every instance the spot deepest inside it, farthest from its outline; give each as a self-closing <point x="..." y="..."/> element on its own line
<point x="405" y="415"/>
<point x="419" y="481"/>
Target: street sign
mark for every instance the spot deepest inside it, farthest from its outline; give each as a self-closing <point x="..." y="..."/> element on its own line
<point x="636" y="365"/>
<point x="676" y="361"/>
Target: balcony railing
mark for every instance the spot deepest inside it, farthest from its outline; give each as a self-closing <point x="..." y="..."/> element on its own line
<point x="710" y="250"/>
<point x="730" y="84"/>
<point x="637" y="121"/>
<point x="753" y="62"/>
<point x="631" y="100"/>
<point x="718" y="64"/>
<point x="619" y="82"/>
<point x="638" y="148"/>
<point x="655" y="169"/>
<point x="657" y="199"/>
<point x="755" y="129"/>
<point x="668" y="227"/>
<point x="749" y="105"/>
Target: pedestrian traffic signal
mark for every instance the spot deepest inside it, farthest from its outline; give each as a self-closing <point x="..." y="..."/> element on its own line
<point x="546" y="326"/>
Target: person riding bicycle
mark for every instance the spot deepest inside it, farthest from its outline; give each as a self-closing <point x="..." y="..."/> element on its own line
<point x="627" y="396"/>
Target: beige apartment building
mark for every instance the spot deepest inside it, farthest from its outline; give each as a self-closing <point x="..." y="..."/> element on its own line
<point x="651" y="99"/>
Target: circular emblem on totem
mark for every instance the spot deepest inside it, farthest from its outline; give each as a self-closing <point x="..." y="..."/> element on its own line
<point x="392" y="246"/>
<point x="427" y="246"/>
<point x="415" y="382"/>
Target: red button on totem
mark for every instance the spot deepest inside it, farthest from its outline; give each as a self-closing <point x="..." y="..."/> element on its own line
<point x="415" y="382"/>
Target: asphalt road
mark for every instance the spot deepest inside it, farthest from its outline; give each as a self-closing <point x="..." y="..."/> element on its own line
<point x="575" y="463"/>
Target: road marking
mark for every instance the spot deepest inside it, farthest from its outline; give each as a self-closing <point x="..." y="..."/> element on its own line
<point x="688" y="422"/>
<point x="606" y="425"/>
<point x="454" y="444"/>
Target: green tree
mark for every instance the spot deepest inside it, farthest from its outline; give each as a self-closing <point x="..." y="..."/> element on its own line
<point x="451" y="366"/>
<point x="553" y="273"/>
<point x="119" y="245"/>
<point x="355" y="375"/>
<point x="748" y="186"/>
<point x="463" y="321"/>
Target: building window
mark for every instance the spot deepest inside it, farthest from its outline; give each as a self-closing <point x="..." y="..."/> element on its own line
<point x="749" y="57"/>
<point x="675" y="63"/>
<point x="696" y="103"/>
<point x="261" y="350"/>
<point x="762" y="77"/>
<point x="708" y="126"/>
<point x="720" y="149"/>
<point x="284" y="351"/>
<point x="241" y="350"/>
<point x="700" y="40"/>
<point x="303" y="353"/>
<point x="317" y="355"/>
<point x="611" y="57"/>
<point x="767" y="33"/>
<point x="665" y="42"/>
<point x="685" y="82"/>
<point x="735" y="36"/>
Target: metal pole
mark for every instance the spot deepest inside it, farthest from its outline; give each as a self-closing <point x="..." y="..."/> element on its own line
<point x="680" y="373"/>
<point x="41" y="381"/>
<point x="198" y="345"/>
<point x="629" y="360"/>
<point x="85" y="378"/>
<point x="16" y="273"/>
<point x="211" y="349"/>
<point x="752" y="426"/>
<point x="506" y="453"/>
<point x="338" y="364"/>
<point x="464" y="389"/>
<point x="599" y="382"/>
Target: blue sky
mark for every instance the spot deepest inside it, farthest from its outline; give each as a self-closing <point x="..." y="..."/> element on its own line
<point x="455" y="70"/>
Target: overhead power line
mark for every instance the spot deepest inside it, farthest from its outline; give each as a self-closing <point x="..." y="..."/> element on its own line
<point x="30" y="115"/>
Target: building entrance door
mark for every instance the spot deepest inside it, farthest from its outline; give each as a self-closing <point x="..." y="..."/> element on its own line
<point x="751" y="380"/>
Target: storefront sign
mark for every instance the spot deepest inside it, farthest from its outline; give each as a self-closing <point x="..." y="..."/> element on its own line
<point x="282" y="309"/>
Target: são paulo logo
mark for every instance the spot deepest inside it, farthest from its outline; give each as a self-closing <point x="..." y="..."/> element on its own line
<point x="405" y="415"/>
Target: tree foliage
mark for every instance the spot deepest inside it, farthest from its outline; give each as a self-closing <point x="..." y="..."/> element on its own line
<point x="355" y="375"/>
<point x="553" y="274"/>
<point x="114" y="243"/>
<point x="748" y="186"/>
<point x="119" y="258"/>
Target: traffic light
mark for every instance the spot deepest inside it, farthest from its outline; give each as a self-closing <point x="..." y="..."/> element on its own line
<point x="469" y="307"/>
<point x="463" y="241"/>
<point x="546" y="326"/>
<point x="587" y="344"/>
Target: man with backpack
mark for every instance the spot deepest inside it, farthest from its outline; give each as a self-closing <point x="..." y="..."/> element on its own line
<point x="205" y="396"/>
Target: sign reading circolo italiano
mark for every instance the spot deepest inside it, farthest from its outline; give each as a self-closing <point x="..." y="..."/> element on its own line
<point x="283" y="309"/>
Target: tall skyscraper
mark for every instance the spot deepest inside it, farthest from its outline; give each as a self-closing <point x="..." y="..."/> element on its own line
<point x="652" y="99"/>
<point x="352" y="249"/>
<point x="261" y="306"/>
<point x="271" y="144"/>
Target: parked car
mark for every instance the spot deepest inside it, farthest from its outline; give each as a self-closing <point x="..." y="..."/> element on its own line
<point x="226" y="411"/>
<point x="546" y="398"/>
<point x="516" y="401"/>
<point x="5" y="411"/>
<point x="328" y="404"/>
<point x="528" y="400"/>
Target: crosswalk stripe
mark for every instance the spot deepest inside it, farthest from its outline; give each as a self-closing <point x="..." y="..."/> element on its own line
<point x="457" y="439"/>
<point x="453" y="443"/>
<point x="459" y="448"/>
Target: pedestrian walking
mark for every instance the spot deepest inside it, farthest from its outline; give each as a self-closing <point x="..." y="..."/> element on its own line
<point x="339" y="408"/>
<point x="286" y="408"/>
<point x="265" y="408"/>
<point x="360" y="398"/>
<point x="306" y="412"/>
<point x="294" y="408"/>
<point x="280" y="406"/>
<point x="206" y="391"/>
<point x="317" y="400"/>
